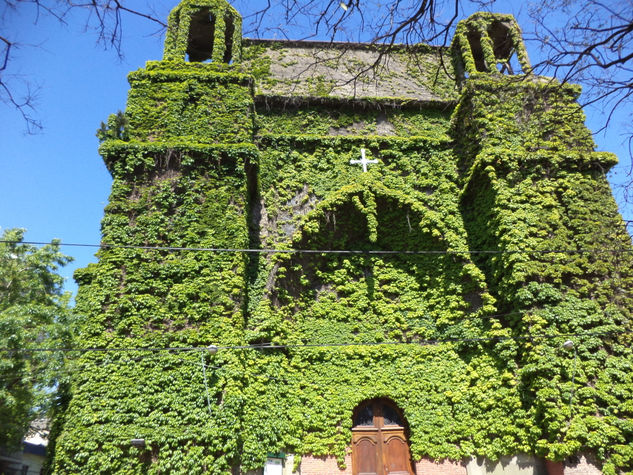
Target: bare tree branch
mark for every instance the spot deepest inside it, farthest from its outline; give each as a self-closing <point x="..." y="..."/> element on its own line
<point x="594" y="48"/>
<point x="104" y="16"/>
<point x="25" y="105"/>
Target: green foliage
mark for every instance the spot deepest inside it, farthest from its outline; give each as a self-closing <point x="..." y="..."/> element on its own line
<point x="207" y="165"/>
<point x="532" y="181"/>
<point x="33" y="312"/>
<point x="321" y="120"/>
<point x="195" y="102"/>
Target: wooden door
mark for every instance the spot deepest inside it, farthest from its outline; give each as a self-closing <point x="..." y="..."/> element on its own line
<point x="379" y="442"/>
<point x="366" y="447"/>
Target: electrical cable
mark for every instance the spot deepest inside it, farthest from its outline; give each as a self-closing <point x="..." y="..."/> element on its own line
<point x="269" y="346"/>
<point x="328" y="251"/>
<point x="68" y="371"/>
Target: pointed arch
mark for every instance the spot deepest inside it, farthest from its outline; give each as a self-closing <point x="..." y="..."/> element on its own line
<point x="363" y="296"/>
<point x="368" y="199"/>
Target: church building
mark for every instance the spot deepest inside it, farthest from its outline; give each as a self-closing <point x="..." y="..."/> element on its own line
<point x="331" y="258"/>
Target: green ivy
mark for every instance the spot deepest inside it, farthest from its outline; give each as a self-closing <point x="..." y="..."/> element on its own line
<point x="532" y="180"/>
<point x="206" y="163"/>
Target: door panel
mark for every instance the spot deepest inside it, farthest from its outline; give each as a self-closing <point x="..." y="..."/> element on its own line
<point x="395" y="453"/>
<point x="366" y="455"/>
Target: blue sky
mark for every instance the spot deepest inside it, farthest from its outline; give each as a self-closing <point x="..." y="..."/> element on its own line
<point x="54" y="183"/>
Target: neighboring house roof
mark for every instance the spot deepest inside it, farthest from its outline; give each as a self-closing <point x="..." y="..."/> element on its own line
<point x="38" y="432"/>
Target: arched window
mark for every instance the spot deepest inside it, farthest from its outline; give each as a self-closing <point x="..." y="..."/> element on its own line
<point x="379" y="440"/>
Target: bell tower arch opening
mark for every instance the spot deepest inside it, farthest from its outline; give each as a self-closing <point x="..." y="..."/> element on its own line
<point x="489" y="43"/>
<point x="502" y="46"/>
<point x="204" y="31"/>
<point x="201" y="34"/>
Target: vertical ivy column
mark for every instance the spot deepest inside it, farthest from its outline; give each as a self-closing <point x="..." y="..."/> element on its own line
<point x="533" y="184"/>
<point x="179" y="171"/>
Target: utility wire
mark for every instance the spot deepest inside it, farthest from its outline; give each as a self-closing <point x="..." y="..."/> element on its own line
<point x="71" y="369"/>
<point x="267" y="346"/>
<point x="328" y="251"/>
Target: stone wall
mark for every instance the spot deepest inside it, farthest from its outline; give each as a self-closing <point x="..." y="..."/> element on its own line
<point x="512" y="465"/>
<point x="575" y="465"/>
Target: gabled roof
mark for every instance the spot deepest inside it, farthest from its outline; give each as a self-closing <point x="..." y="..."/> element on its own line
<point x="349" y="70"/>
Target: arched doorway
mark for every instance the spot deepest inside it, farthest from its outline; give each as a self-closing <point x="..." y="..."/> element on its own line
<point x="379" y="441"/>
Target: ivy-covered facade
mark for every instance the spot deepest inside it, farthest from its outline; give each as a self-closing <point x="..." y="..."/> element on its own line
<point x="484" y="237"/>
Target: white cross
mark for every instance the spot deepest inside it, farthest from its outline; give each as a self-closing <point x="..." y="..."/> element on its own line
<point x="363" y="161"/>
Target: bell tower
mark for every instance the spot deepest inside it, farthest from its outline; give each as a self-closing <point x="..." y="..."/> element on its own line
<point x="489" y="43"/>
<point x="207" y="30"/>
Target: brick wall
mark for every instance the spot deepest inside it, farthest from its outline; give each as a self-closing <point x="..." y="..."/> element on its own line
<point x="580" y="465"/>
<point x="439" y="467"/>
<point x="328" y="466"/>
<point x="311" y="465"/>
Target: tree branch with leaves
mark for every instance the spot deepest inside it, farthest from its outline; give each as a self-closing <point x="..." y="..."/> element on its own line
<point x="34" y="311"/>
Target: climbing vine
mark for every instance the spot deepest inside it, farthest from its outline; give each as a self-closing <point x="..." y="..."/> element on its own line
<point x="200" y="160"/>
<point x="532" y="180"/>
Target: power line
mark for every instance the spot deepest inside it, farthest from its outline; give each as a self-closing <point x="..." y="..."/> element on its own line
<point x="69" y="370"/>
<point x="269" y="346"/>
<point x="72" y="368"/>
<point x="329" y="251"/>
